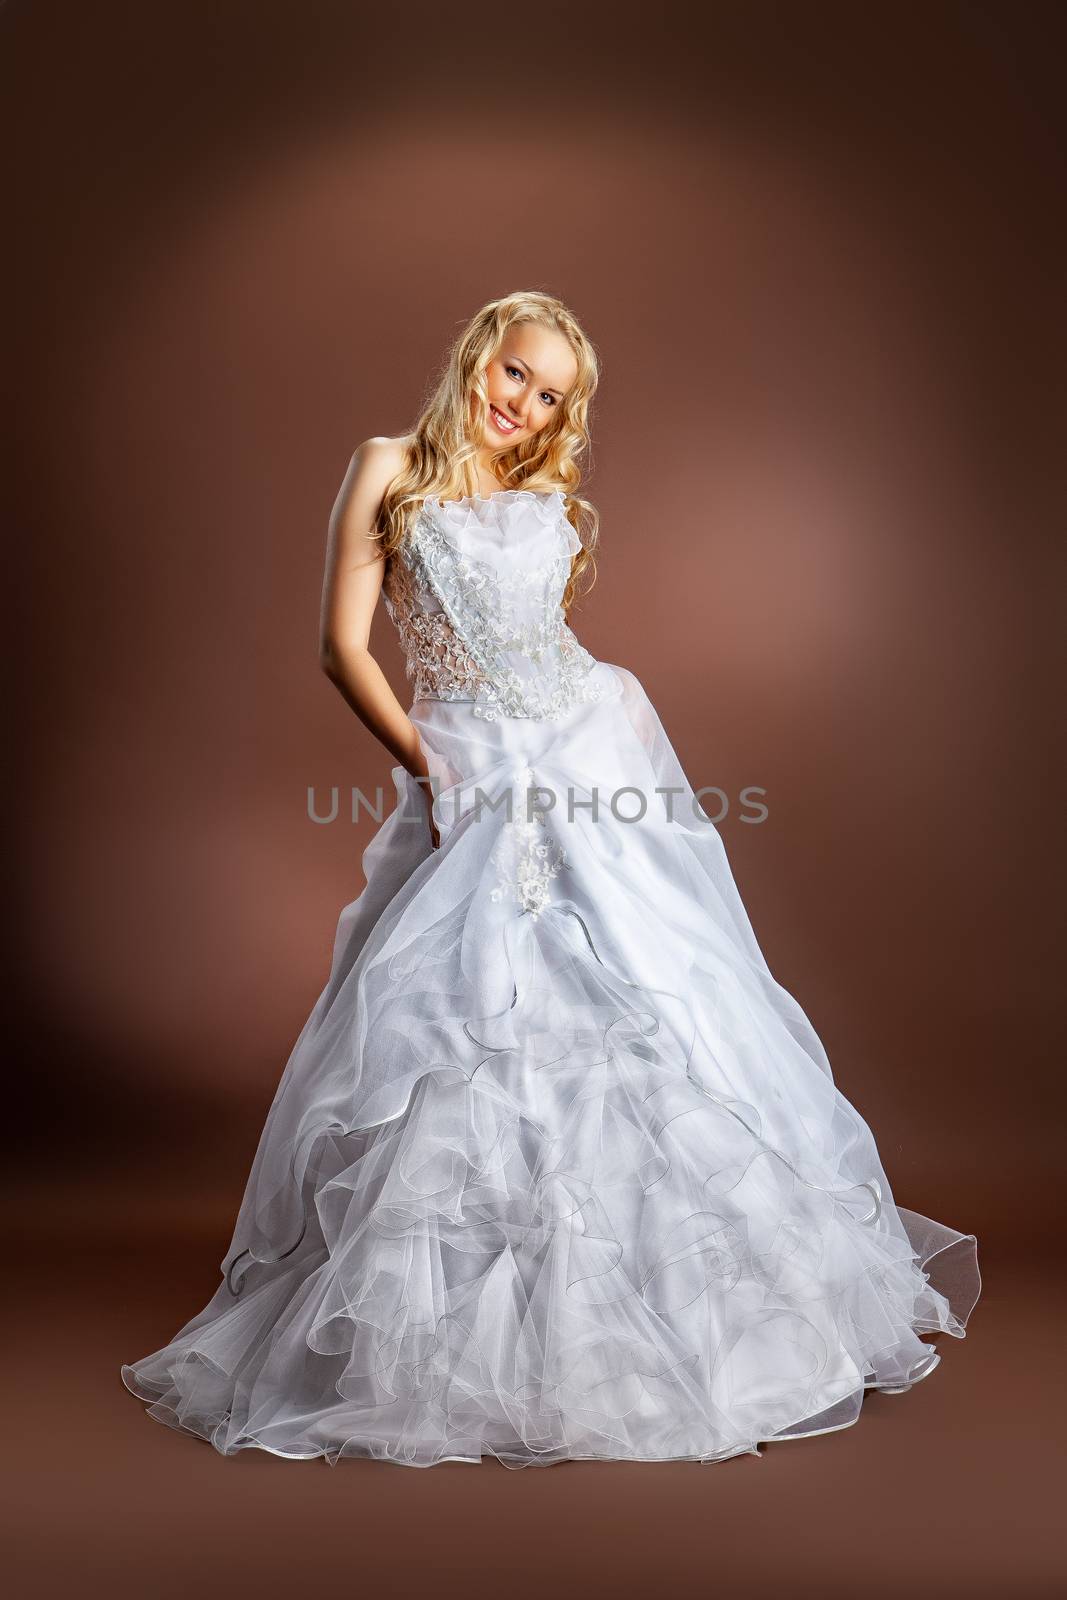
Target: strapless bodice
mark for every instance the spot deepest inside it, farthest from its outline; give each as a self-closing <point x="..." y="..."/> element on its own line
<point x="474" y="591"/>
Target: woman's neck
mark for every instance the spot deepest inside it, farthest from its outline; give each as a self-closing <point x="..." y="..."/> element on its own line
<point x="488" y="483"/>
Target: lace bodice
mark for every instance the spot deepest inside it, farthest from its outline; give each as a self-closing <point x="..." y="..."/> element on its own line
<point x="474" y="592"/>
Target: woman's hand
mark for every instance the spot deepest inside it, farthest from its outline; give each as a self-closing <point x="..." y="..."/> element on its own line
<point x="435" y="836"/>
<point x="419" y="769"/>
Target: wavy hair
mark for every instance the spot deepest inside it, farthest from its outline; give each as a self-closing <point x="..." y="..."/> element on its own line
<point x="445" y="441"/>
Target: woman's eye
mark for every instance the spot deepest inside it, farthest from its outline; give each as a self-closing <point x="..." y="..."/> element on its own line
<point x="516" y="372"/>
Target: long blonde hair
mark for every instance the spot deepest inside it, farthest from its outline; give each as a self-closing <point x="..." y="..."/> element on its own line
<point x="445" y="441"/>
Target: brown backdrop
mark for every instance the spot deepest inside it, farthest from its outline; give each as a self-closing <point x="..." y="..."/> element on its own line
<point x="819" y="249"/>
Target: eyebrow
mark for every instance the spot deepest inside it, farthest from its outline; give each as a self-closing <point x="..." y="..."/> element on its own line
<point x="519" y="362"/>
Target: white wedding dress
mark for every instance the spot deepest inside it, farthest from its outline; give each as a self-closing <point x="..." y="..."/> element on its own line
<point x="556" y="1169"/>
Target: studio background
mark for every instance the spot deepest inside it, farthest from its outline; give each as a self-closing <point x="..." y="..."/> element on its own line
<point x="820" y="254"/>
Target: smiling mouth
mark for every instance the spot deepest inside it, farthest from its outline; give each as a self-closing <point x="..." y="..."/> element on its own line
<point x="504" y="423"/>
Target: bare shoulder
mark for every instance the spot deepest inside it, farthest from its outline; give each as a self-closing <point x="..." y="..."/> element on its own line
<point x="377" y="461"/>
<point x="372" y="468"/>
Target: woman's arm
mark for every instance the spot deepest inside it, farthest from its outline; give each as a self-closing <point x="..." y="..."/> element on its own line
<point x="353" y="581"/>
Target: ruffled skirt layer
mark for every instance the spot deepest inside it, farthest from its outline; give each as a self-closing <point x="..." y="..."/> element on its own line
<point x="556" y="1169"/>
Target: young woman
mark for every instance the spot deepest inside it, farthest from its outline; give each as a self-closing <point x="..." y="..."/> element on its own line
<point x="556" y="1169"/>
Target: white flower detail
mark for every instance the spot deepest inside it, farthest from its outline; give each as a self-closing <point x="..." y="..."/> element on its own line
<point x="526" y="857"/>
<point x="469" y="632"/>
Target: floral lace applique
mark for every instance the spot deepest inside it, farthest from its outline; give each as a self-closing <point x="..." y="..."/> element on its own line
<point x="526" y="857"/>
<point x="472" y="630"/>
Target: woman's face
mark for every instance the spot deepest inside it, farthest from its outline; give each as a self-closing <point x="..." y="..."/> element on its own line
<point x="527" y="380"/>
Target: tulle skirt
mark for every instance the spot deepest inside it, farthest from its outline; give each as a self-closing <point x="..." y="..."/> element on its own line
<point x="556" y="1169"/>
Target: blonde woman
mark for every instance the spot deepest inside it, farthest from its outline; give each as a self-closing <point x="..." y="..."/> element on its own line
<point x="556" y="1169"/>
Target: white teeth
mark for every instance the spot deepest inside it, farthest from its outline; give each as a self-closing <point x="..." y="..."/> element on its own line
<point x="509" y="427"/>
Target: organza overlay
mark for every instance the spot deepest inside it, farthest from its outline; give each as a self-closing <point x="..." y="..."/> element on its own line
<point x="556" y="1170"/>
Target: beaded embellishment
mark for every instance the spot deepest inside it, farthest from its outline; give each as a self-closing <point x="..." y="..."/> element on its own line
<point x="526" y="857"/>
<point x="476" y="603"/>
